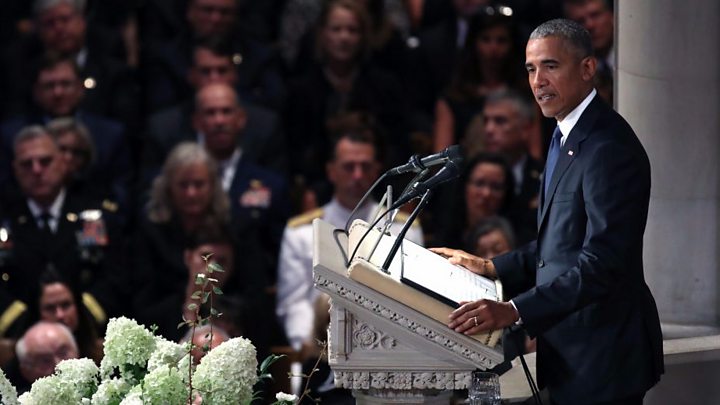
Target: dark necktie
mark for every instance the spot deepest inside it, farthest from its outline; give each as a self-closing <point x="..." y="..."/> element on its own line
<point x="45" y="218"/>
<point x="553" y="154"/>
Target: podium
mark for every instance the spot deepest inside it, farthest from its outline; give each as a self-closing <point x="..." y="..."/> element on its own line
<point x="391" y="347"/>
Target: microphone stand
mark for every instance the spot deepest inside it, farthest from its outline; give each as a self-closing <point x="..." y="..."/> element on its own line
<point x="401" y="236"/>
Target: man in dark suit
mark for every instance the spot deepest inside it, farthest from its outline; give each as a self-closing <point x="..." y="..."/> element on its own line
<point x="51" y="226"/>
<point x="258" y="197"/>
<point x="579" y="287"/>
<point x="508" y="118"/>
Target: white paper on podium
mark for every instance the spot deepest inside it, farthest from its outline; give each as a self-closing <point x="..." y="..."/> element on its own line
<point x="424" y="270"/>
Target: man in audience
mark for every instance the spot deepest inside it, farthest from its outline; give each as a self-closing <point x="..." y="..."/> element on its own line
<point x="258" y="197"/>
<point x="597" y="17"/>
<point x="508" y="118"/>
<point x="353" y="167"/>
<point x="52" y="226"/>
<point x="203" y="341"/>
<point x="262" y="138"/>
<point x="40" y="349"/>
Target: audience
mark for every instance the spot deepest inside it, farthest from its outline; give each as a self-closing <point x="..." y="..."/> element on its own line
<point x="489" y="61"/>
<point x="203" y="339"/>
<point x="57" y="93"/>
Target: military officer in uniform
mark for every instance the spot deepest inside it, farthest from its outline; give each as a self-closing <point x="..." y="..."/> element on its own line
<point x="47" y="225"/>
<point x="352" y="169"/>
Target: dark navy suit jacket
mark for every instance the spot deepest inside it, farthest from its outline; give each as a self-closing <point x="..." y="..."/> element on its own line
<point x="110" y="173"/>
<point x="580" y="286"/>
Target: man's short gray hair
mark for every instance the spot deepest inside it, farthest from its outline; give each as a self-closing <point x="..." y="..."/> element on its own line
<point x="41" y="6"/>
<point x="29" y="133"/>
<point x="571" y="32"/>
<point x="521" y="103"/>
<point x="21" y="349"/>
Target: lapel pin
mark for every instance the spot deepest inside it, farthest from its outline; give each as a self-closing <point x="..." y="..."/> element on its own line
<point x="570" y="152"/>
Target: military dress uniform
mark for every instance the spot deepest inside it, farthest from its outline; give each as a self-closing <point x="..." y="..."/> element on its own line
<point x="296" y="294"/>
<point x="77" y="239"/>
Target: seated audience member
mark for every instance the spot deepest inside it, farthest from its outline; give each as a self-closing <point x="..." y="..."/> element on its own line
<point x="60" y="302"/>
<point x="186" y="200"/>
<point x="57" y="92"/>
<point x="484" y="190"/>
<point x="258" y="197"/>
<point x="261" y="139"/>
<point x="597" y="16"/>
<point x="56" y="227"/>
<point x="491" y="237"/>
<point x="352" y="168"/>
<point x="39" y="350"/>
<point x="204" y="338"/>
<point x="168" y="62"/>
<point x="509" y="122"/>
<point x="341" y="81"/>
<point x="488" y="62"/>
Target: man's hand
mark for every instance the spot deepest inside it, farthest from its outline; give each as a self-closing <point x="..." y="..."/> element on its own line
<point x="482" y="316"/>
<point x="477" y="265"/>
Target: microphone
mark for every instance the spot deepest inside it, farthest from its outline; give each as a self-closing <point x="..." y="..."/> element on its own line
<point x="450" y="171"/>
<point x="416" y="165"/>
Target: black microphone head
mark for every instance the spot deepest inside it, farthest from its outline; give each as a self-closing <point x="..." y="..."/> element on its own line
<point x="453" y="152"/>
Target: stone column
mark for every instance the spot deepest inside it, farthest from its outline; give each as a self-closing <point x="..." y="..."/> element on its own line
<point x="668" y="88"/>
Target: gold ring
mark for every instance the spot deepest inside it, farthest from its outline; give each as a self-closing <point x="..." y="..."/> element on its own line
<point x="475" y="319"/>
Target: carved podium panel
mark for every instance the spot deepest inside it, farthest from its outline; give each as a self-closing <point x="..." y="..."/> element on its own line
<point x="382" y="349"/>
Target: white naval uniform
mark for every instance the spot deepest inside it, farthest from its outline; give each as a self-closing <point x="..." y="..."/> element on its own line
<point x="295" y="292"/>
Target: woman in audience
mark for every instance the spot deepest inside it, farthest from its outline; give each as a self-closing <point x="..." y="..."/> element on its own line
<point x="342" y="79"/>
<point x="488" y="62"/>
<point x="59" y="301"/>
<point x="185" y="198"/>
<point x="487" y="190"/>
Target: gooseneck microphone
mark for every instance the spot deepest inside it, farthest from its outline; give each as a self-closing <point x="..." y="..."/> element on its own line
<point x="450" y="171"/>
<point x="416" y="164"/>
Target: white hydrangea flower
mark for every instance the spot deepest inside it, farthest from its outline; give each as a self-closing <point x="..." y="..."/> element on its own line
<point x="53" y="390"/>
<point x="8" y="393"/>
<point x="166" y="353"/>
<point x="79" y="373"/>
<point x="164" y="385"/>
<point x="110" y="392"/>
<point x="283" y="397"/>
<point x="134" y="397"/>
<point x="126" y="344"/>
<point x="26" y="399"/>
<point x="227" y="373"/>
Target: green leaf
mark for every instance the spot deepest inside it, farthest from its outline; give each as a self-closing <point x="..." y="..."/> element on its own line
<point x="181" y="324"/>
<point x="206" y="295"/>
<point x="192" y="306"/>
<point x="217" y="291"/>
<point x="196" y="295"/>
<point x="214" y="267"/>
<point x="213" y="311"/>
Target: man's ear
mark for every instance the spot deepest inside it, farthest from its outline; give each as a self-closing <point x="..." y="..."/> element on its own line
<point x="589" y="67"/>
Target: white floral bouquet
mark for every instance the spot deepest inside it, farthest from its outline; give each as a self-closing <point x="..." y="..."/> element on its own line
<point x="141" y="368"/>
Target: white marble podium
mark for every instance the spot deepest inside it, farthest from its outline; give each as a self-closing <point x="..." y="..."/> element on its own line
<point x="383" y="350"/>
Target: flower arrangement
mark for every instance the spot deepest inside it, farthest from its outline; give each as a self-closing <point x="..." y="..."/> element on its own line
<point x="140" y="368"/>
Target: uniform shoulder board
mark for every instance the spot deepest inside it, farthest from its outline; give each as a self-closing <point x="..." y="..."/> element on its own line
<point x="401" y="217"/>
<point x="305" y="218"/>
<point x="11" y="314"/>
